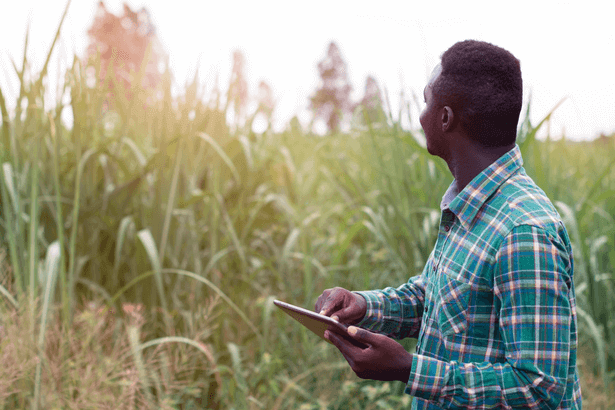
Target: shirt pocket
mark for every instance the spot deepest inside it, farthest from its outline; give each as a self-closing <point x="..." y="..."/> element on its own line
<point x="452" y="305"/>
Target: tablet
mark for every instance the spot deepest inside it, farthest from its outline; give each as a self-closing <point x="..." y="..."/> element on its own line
<point x="316" y="322"/>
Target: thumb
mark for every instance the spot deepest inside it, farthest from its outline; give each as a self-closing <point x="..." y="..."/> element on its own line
<point x="361" y="334"/>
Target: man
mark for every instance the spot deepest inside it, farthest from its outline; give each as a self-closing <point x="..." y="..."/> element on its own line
<point x="494" y="308"/>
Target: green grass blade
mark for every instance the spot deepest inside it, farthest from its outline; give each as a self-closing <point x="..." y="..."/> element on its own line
<point x="178" y="339"/>
<point x="266" y="320"/>
<point x="11" y="215"/>
<point x="136" y="151"/>
<point x="10" y="297"/>
<point x="72" y="250"/>
<point x="254" y="212"/>
<point x="39" y="83"/>
<point x="596" y="335"/>
<point x="170" y="201"/>
<point x="52" y="260"/>
<point x="215" y="259"/>
<point x="7" y="170"/>
<point x="60" y="219"/>
<point x="95" y="288"/>
<point x="32" y="232"/>
<point x="22" y="82"/>
<point x="233" y="234"/>
<point x="237" y="370"/>
<point x="6" y="130"/>
<point x="126" y="225"/>
<point x="146" y="238"/>
<point x="582" y="205"/>
<point x="344" y="244"/>
<point x="530" y="133"/>
<point x="133" y="337"/>
<point x="289" y="244"/>
<point x="594" y="248"/>
<point x="221" y="153"/>
<point x="569" y="217"/>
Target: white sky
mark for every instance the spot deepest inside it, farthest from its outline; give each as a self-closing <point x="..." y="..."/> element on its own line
<point x="565" y="47"/>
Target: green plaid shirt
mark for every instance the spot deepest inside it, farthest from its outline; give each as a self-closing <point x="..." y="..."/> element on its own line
<point x="494" y="308"/>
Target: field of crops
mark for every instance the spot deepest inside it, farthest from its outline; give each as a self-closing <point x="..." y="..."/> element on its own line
<point x="143" y="247"/>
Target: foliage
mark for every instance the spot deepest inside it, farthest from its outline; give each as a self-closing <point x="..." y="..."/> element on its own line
<point x="127" y="45"/>
<point x="237" y="96"/>
<point x="371" y="105"/>
<point x="332" y="101"/>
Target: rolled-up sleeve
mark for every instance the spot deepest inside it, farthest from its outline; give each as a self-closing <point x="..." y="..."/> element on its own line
<point x="395" y="312"/>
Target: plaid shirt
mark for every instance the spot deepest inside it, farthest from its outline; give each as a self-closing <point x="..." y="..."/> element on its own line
<point x="494" y="309"/>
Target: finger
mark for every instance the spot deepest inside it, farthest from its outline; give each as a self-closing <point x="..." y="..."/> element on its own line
<point x="317" y="306"/>
<point x="349" y="340"/>
<point x="355" y="331"/>
<point x="330" y="305"/>
<point x="363" y="335"/>
<point x="321" y="300"/>
<point x="326" y="307"/>
<point x="345" y="314"/>
<point x="343" y="345"/>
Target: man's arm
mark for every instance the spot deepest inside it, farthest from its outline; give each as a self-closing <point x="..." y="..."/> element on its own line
<point x="532" y="287"/>
<point x="395" y="312"/>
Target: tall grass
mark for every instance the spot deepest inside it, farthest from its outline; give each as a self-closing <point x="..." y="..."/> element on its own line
<point x="145" y="245"/>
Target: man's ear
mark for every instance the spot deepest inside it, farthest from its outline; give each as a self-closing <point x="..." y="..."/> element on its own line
<point x="448" y="118"/>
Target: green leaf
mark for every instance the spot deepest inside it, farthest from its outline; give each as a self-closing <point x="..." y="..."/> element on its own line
<point x="127" y="224"/>
<point x="221" y="153"/>
<point x="50" y="272"/>
<point x="146" y="238"/>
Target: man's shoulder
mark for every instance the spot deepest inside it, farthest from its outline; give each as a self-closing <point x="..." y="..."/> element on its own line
<point x="519" y="201"/>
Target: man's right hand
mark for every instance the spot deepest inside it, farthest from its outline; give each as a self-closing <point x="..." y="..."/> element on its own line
<point x="342" y="305"/>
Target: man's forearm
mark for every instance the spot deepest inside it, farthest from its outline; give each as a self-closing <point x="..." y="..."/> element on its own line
<point x="395" y="312"/>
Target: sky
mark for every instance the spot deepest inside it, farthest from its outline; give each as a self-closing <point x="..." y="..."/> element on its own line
<point x="565" y="47"/>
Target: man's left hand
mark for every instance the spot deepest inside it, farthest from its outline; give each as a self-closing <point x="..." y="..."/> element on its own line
<point x="383" y="358"/>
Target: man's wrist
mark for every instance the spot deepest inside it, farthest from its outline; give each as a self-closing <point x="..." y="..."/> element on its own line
<point x="363" y="305"/>
<point x="406" y="369"/>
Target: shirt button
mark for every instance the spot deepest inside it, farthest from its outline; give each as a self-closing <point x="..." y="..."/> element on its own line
<point x="447" y="228"/>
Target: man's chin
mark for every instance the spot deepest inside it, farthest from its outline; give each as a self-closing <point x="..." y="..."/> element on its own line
<point x="431" y="150"/>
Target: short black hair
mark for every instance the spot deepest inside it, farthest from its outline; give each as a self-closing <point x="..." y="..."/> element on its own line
<point x="482" y="83"/>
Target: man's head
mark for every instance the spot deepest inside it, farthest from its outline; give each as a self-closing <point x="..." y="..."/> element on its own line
<point x="481" y="84"/>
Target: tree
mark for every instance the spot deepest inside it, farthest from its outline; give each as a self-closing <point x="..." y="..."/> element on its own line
<point x="372" y="110"/>
<point x="264" y="109"/>
<point x="265" y="99"/>
<point x="332" y="101"/>
<point x="237" y="96"/>
<point x="125" y="43"/>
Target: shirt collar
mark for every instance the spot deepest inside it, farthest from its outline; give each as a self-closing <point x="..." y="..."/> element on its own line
<point x="466" y="204"/>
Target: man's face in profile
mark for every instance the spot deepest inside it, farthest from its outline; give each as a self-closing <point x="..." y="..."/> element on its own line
<point x="429" y="116"/>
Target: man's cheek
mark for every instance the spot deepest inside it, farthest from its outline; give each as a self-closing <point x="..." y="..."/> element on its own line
<point x="422" y="119"/>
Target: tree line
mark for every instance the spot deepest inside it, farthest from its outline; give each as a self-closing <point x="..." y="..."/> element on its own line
<point x="125" y="50"/>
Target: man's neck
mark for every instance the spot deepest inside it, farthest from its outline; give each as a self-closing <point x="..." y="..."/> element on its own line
<point x="468" y="159"/>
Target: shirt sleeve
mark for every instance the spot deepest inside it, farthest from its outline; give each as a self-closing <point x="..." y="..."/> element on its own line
<point x="395" y="312"/>
<point x="534" y="298"/>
